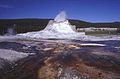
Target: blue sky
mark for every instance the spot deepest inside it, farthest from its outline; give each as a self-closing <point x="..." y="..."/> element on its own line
<point x="87" y="10"/>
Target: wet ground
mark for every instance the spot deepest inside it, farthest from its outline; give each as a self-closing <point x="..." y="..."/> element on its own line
<point x="61" y="59"/>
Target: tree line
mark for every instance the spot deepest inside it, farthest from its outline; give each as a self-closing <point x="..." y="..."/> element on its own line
<point x="28" y="25"/>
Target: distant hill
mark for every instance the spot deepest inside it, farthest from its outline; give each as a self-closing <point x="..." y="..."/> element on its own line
<point x="33" y="24"/>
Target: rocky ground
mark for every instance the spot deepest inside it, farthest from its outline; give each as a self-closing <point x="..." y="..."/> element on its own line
<point x="55" y="59"/>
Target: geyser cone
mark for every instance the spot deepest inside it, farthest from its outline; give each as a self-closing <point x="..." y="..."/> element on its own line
<point x="57" y="28"/>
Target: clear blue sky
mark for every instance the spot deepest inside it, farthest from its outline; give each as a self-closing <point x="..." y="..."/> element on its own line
<point x="87" y="10"/>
